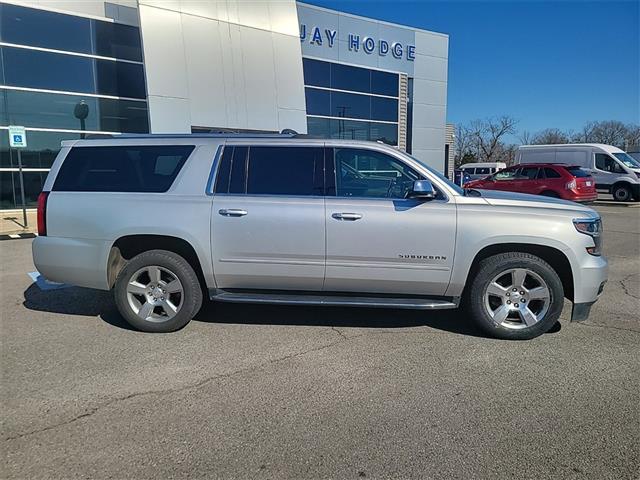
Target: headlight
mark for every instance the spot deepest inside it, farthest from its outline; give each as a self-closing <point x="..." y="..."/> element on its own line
<point x="593" y="228"/>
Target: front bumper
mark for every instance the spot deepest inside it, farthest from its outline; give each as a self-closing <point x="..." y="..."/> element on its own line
<point x="589" y="283"/>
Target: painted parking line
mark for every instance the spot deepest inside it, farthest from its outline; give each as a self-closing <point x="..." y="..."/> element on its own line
<point x="44" y="284"/>
<point x="17" y="236"/>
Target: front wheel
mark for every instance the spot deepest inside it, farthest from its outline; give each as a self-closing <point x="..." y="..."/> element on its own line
<point x="621" y="193"/>
<point x="158" y="291"/>
<point x="515" y="296"/>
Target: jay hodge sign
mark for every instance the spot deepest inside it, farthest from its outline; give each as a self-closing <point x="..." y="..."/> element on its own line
<point x="356" y="43"/>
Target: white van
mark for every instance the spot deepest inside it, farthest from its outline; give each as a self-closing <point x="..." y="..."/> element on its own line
<point x="613" y="170"/>
<point x="481" y="170"/>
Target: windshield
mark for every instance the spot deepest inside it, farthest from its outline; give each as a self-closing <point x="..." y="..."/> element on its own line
<point x="627" y="160"/>
<point x="455" y="187"/>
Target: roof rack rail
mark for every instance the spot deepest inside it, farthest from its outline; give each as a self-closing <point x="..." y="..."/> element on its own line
<point x="287" y="132"/>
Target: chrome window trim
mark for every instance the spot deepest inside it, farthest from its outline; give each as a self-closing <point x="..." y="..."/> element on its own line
<point x="214" y="170"/>
<point x="271" y="195"/>
<point x="329" y="143"/>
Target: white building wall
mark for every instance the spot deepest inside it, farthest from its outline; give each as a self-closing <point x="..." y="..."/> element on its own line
<point x="430" y="98"/>
<point x="233" y="64"/>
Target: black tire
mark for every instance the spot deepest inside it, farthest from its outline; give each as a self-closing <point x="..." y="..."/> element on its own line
<point x="550" y="194"/>
<point x="488" y="270"/>
<point x="621" y="193"/>
<point x="189" y="297"/>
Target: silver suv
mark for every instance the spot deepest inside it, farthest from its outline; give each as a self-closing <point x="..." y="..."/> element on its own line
<point x="165" y="219"/>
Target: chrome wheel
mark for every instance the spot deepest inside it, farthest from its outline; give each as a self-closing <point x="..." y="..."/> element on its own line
<point x="517" y="298"/>
<point x="155" y="294"/>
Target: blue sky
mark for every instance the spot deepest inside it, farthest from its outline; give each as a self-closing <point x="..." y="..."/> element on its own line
<point x="549" y="64"/>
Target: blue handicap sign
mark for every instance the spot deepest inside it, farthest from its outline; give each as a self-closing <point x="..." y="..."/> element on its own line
<point x="17" y="139"/>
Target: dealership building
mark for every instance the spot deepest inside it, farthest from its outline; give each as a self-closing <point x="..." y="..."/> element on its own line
<point x="74" y="68"/>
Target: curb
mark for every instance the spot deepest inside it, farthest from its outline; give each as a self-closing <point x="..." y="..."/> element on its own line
<point x="17" y="236"/>
<point x="602" y="203"/>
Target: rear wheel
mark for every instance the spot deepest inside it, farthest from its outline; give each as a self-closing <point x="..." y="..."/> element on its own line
<point x="515" y="296"/>
<point x="158" y="291"/>
<point x="621" y="193"/>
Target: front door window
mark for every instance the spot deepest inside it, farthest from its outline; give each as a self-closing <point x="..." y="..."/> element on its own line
<point x="367" y="173"/>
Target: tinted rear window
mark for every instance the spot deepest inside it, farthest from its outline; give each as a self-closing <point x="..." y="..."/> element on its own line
<point x="121" y="169"/>
<point x="577" y="172"/>
<point x="285" y="171"/>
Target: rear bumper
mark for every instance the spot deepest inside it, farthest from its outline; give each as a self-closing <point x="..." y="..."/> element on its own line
<point x="73" y="261"/>
<point x="582" y="197"/>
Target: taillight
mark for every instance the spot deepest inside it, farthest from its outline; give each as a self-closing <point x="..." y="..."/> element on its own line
<point x="572" y="184"/>
<point x="42" y="213"/>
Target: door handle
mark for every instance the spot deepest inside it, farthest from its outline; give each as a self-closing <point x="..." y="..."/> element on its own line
<point x="347" y="216"/>
<point x="232" y="212"/>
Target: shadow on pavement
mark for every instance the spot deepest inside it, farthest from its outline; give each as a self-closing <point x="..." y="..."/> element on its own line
<point x="92" y="303"/>
<point x="75" y="301"/>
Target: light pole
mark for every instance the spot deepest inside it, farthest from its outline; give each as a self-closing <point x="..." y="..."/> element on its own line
<point x="81" y="112"/>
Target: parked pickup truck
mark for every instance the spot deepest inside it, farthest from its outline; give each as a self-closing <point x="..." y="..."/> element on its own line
<point x="163" y="220"/>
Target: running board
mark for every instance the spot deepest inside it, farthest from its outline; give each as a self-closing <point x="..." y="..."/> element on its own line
<point x="331" y="300"/>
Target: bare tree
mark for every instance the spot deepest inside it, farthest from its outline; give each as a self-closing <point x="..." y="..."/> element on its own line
<point x="551" y="136"/>
<point x="632" y="137"/>
<point x="489" y="133"/>
<point x="610" y="132"/>
<point x="464" y="143"/>
<point x="585" y="134"/>
<point x="525" y="137"/>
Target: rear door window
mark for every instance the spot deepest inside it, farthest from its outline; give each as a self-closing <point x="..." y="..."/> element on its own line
<point x="127" y="168"/>
<point x="483" y="171"/>
<point x="291" y="171"/>
<point x="528" y="173"/>
<point x="232" y="177"/>
<point x="551" y="173"/>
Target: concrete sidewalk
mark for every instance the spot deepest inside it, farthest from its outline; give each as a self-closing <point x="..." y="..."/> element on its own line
<point x="11" y="222"/>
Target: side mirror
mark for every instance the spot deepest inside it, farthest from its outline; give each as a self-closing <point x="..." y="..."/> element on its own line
<point x="422" y="190"/>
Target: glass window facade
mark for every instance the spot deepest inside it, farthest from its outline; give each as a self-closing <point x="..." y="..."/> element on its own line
<point x="51" y="110"/>
<point x="110" y="65"/>
<point x="353" y="129"/>
<point x="337" y="76"/>
<point x="57" y="71"/>
<point x="58" y="31"/>
<point x="349" y="102"/>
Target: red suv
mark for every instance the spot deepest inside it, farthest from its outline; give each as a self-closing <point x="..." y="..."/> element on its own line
<point x="550" y="179"/>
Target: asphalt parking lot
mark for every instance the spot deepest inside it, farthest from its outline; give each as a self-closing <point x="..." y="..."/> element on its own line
<point x="290" y="392"/>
